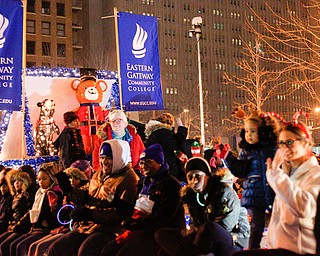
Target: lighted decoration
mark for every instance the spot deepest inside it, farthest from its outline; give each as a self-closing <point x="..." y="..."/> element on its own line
<point x="114" y="102"/>
<point x="28" y="131"/>
<point x="34" y="162"/>
<point x="4" y="123"/>
<point x="45" y="129"/>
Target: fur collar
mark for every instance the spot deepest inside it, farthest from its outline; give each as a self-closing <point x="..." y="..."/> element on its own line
<point x="153" y="128"/>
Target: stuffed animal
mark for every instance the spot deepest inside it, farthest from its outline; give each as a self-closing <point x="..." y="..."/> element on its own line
<point x="89" y="93"/>
<point x="45" y="128"/>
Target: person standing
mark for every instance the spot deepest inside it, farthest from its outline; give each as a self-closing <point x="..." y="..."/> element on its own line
<point x="294" y="175"/>
<point x="259" y="142"/>
<point x="69" y="143"/>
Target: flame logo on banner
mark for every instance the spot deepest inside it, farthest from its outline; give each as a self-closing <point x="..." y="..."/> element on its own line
<point x="138" y="48"/>
<point x="4" y="23"/>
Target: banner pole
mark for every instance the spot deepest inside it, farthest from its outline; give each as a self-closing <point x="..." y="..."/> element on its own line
<point x="115" y="13"/>
<point x="23" y="107"/>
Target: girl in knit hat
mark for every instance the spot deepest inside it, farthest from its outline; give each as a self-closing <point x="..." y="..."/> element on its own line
<point x="69" y="143"/>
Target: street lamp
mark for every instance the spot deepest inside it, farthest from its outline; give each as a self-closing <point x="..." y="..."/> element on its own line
<point x="196" y="31"/>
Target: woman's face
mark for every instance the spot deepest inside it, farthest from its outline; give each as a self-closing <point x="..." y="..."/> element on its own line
<point x="251" y="132"/>
<point x="197" y="180"/>
<point x="295" y="148"/>
<point x="118" y="126"/>
<point x="44" y="180"/>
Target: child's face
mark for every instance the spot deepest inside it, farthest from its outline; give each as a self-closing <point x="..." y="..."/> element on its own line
<point x="18" y="185"/>
<point x="75" y="182"/>
<point x="44" y="180"/>
<point x="251" y="132"/>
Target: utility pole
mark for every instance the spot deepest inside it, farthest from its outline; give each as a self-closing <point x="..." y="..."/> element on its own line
<point x="196" y="31"/>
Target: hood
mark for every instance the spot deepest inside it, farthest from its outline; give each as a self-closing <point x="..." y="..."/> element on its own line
<point x="120" y="152"/>
<point x="13" y="175"/>
<point x="154" y="125"/>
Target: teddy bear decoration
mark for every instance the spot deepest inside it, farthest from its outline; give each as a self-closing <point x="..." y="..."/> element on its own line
<point x="89" y="93"/>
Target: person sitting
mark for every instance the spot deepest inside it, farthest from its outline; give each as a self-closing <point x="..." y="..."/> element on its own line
<point x="5" y="206"/>
<point x="109" y="200"/>
<point x="42" y="216"/>
<point x="214" y="209"/>
<point x="159" y="205"/>
<point x="18" y="183"/>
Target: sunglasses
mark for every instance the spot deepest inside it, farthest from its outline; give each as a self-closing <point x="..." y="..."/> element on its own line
<point x="288" y="143"/>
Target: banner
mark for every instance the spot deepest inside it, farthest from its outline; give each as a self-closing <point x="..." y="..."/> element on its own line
<point x="139" y="62"/>
<point x="11" y="30"/>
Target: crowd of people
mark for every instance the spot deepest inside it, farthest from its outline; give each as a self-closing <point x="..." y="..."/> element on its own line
<point x="161" y="195"/>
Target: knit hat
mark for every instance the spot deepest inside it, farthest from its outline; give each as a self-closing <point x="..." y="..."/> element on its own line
<point x="84" y="166"/>
<point x="154" y="152"/>
<point x="69" y="116"/>
<point x="75" y="172"/>
<point x="117" y="114"/>
<point x="198" y="163"/>
<point x="105" y="150"/>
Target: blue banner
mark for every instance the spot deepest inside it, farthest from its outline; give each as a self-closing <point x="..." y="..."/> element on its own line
<point x="11" y="30"/>
<point x="139" y="62"/>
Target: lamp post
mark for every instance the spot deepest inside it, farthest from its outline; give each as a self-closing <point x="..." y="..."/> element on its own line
<point x="196" y="31"/>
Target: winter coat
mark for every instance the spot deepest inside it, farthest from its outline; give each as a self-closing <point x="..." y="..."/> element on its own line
<point x="135" y="142"/>
<point x="167" y="210"/>
<point x="294" y="209"/>
<point x="251" y="165"/>
<point x="170" y="141"/>
<point x="70" y="146"/>
<point x="47" y="219"/>
<point x="107" y="216"/>
<point x="218" y="203"/>
<point x="5" y="211"/>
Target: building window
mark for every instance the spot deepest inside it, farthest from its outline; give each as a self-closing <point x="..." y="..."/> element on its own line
<point x="46" y="49"/>
<point x="46" y="64"/>
<point x="61" y="50"/>
<point x="60" y="9"/>
<point x="45" y="7"/>
<point x="31" y="26"/>
<point x="31" y="64"/>
<point x="31" y="6"/>
<point x="31" y="47"/>
<point x="46" y="28"/>
<point x="61" y="29"/>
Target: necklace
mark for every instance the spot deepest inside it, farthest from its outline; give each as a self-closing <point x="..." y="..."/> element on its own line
<point x="198" y="199"/>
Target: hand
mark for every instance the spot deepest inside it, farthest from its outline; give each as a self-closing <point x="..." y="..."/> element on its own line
<point x="107" y="193"/>
<point x="179" y="122"/>
<point x="82" y="214"/>
<point x="131" y="224"/>
<point x="53" y="198"/>
<point x="278" y="159"/>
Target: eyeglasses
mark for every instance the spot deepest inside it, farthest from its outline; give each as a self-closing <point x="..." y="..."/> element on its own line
<point x="117" y="121"/>
<point x="288" y="143"/>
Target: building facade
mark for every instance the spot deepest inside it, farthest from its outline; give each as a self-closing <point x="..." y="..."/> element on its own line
<point x="89" y="39"/>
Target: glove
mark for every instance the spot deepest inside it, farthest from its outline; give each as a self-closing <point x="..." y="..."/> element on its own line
<point x="53" y="198"/>
<point x="131" y="224"/>
<point x="222" y="151"/>
<point x="82" y="214"/>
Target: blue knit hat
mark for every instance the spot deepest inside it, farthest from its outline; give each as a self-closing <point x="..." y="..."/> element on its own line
<point x="105" y="150"/>
<point x="154" y="152"/>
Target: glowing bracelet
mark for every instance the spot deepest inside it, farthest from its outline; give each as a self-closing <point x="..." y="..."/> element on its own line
<point x="58" y="214"/>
